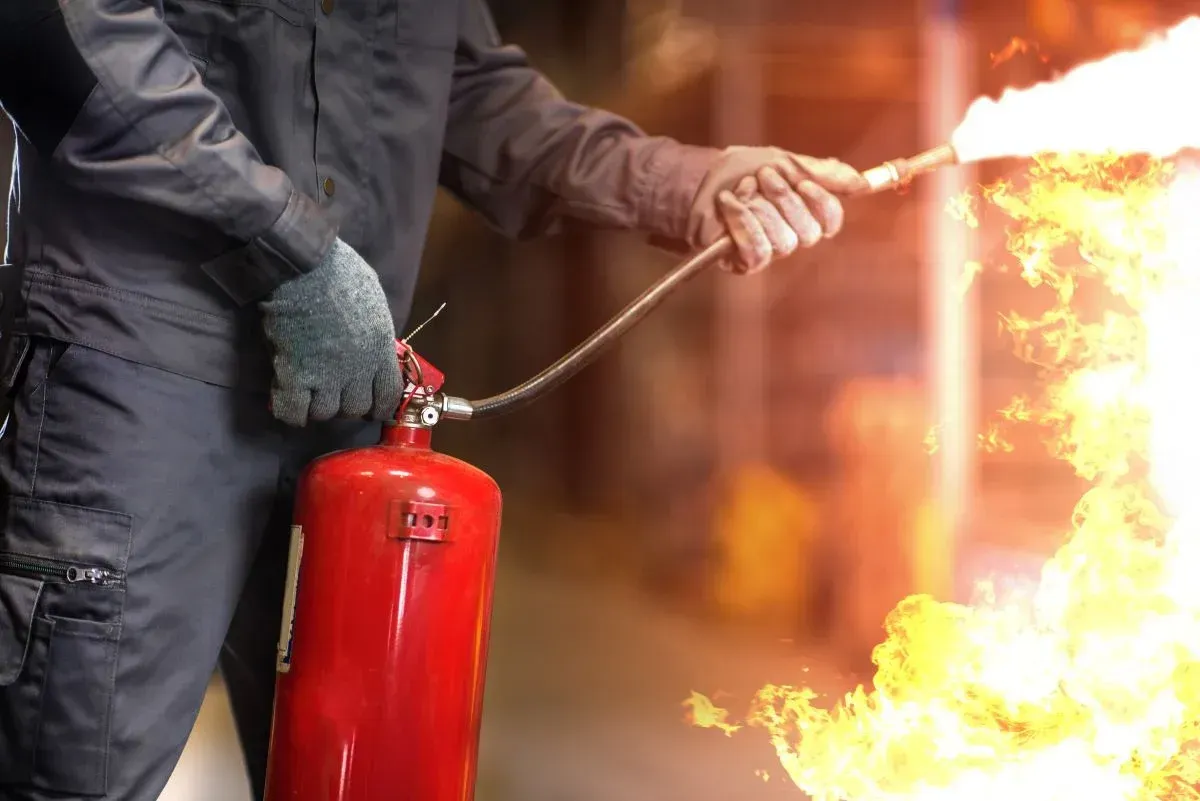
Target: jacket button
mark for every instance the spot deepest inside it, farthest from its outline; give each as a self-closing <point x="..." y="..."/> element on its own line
<point x="327" y="6"/>
<point x="328" y="186"/>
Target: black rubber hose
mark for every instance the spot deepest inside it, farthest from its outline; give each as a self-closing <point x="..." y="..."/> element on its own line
<point x="587" y="351"/>
<point x="886" y="176"/>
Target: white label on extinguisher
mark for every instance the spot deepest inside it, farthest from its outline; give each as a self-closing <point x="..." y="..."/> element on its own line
<point x="283" y="662"/>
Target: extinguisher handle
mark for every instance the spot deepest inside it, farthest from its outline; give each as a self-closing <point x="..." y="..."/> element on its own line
<point x="587" y="351"/>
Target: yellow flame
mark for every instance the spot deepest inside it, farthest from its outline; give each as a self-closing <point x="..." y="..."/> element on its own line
<point x="932" y="440"/>
<point x="992" y="441"/>
<point x="1129" y="102"/>
<point x="703" y="713"/>
<point x="1087" y="685"/>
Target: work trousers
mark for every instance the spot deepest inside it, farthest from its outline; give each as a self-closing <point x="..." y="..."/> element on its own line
<point x="144" y="540"/>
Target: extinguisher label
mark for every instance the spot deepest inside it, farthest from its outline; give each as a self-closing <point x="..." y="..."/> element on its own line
<point x="283" y="662"/>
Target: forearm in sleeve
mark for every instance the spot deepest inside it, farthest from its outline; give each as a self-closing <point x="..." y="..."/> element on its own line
<point x="526" y="158"/>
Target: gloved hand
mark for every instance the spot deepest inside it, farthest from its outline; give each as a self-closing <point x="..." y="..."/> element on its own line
<point x="334" y="343"/>
<point x="770" y="202"/>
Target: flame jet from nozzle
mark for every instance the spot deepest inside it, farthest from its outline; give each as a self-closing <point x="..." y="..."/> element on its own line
<point x="1126" y="103"/>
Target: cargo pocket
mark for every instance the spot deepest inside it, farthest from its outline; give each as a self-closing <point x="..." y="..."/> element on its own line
<point x="20" y="689"/>
<point x="62" y="588"/>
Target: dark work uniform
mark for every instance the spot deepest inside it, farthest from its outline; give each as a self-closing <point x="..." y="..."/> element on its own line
<point x="177" y="160"/>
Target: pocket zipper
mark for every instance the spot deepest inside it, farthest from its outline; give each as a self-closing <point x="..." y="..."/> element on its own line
<point x="46" y="569"/>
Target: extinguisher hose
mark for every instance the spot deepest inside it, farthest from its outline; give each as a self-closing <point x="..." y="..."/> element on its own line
<point x="587" y="351"/>
<point x="888" y="175"/>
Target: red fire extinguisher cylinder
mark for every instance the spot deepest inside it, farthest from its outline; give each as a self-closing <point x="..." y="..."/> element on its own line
<point x="389" y="599"/>
<point x="386" y="624"/>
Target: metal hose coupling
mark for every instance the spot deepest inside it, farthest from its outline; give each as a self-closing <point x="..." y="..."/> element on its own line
<point x="898" y="172"/>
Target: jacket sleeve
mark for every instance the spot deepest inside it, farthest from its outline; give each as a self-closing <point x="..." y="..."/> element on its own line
<point x="526" y="158"/>
<point x="105" y="92"/>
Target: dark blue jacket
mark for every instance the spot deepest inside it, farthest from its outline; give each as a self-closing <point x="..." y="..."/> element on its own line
<point x="179" y="159"/>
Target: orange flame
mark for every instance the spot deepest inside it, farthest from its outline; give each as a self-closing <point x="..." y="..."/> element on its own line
<point x="1086" y="686"/>
<point x="1016" y="46"/>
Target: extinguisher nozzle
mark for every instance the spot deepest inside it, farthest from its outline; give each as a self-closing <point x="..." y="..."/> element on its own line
<point x="898" y="172"/>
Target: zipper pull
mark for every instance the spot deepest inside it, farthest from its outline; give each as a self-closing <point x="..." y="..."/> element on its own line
<point x="90" y="575"/>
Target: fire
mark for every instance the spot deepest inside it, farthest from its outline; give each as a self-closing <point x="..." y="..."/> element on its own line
<point x="1087" y="685"/>
<point x="704" y="713"/>
<point x="1016" y="46"/>
<point x="1126" y="103"/>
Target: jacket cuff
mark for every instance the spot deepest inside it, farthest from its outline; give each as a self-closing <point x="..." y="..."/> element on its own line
<point x="295" y="244"/>
<point x="675" y="174"/>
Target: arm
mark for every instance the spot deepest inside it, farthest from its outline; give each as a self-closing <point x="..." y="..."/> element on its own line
<point x="106" y="93"/>
<point x="526" y="158"/>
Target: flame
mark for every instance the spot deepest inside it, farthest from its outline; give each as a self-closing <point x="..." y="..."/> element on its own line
<point x="1126" y="103"/>
<point x="702" y="712"/>
<point x="932" y="441"/>
<point x="1016" y="46"/>
<point x="1086" y="685"/>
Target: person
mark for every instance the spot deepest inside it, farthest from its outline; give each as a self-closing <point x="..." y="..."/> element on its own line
<point x="217" y="214"/>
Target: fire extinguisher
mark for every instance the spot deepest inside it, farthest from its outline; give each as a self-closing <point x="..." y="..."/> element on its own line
<point x="388" y="605"/>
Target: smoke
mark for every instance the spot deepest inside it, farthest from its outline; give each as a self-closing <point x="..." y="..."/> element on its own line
<point x="1136" y="101"/>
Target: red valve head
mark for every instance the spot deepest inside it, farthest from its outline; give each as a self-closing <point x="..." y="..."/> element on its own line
<point x="422" y="377"/>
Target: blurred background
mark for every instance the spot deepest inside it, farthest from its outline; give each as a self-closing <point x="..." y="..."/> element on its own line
<point x="741" y="491"/>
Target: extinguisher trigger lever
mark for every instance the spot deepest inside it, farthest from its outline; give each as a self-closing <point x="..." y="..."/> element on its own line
<point x="424" y="403"/>
<point x="421" y="377"/>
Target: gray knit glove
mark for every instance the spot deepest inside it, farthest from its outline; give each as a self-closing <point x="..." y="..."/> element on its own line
<point x="334" y="343"/>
